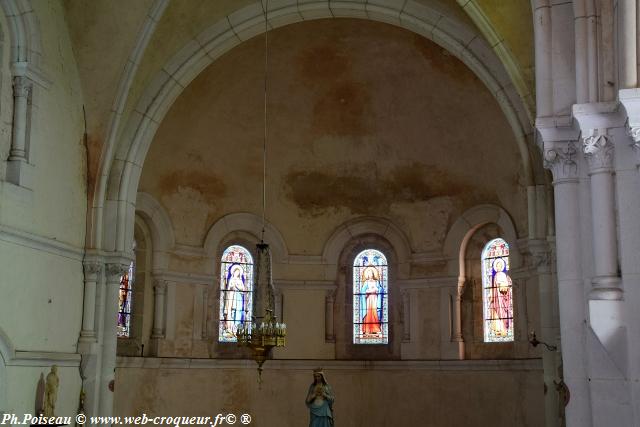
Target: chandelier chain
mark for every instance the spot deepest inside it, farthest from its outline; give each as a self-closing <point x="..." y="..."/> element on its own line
<point x="264" y="145"/>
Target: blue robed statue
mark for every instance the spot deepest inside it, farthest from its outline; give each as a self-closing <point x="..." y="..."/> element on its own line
<point x="320" y="401"/>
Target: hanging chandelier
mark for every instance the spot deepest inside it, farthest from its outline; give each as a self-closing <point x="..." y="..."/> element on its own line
<point x="265" y="332"/>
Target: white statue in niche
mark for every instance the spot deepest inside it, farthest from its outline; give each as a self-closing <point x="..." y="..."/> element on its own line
<point x="51" y="392"/>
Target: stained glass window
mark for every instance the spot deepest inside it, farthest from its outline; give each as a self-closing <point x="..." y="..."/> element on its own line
<point x="370" y="298"/>
<point x="497" y="292"/>
<point x="124" y="302"/>
<point x="236" y="292"/>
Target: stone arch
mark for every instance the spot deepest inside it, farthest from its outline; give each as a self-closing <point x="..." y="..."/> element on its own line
<point x="244" y="222"/>
<point x="156" y="218"/>
<point x="166" y="86"/>
<point x="367" y="234"/>
<point x="455" y="244"/>
<point x="334" y="247"/>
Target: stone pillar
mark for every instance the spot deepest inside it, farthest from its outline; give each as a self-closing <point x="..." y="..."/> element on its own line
<point x="627" y="39"/>
<point x="406" y="315"/>
<point x="598" y="150"/>
<point x="18" y="155"/>
<point x="561" y="156"/>
<point x="329" y="303"/>
<point x="92" y="272"/>
<point x="114" y="272"/>
<point x="456" y="333"/>
<point x="159" y="292"/>
<point x="541" y="261"/>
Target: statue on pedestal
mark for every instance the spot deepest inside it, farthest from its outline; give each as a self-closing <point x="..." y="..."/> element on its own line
<point x="51" y="392"/>
<point x="320" y="400"/>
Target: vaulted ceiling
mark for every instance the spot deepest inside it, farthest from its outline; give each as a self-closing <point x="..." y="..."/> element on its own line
<point x="106" y="33"/>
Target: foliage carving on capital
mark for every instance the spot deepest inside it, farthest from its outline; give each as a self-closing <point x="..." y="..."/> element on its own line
<point x="160" y="286"/>
<point x="21" y="86"/>
<point x="115" y="271"/>
<point x="92" y="268"/>
<point x="634" y="133"/>
<point x="561" y="160"/>
<point x="331" y="296"/>
<point x="598" y="150"/>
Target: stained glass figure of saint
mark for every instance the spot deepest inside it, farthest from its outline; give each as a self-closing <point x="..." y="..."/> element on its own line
<point x="497" y="292"/>
<point x="236" y="290"/>
<point x="370" y="298"/>
<point x="124" y="303"/>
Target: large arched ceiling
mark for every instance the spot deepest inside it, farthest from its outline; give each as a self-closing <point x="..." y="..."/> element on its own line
<point x="106" y="32"/>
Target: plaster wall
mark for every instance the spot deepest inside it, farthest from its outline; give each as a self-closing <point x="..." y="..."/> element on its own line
<point x="364" y="119"/>
<point x="42" y="229"/>
<point x="391" y="396"/>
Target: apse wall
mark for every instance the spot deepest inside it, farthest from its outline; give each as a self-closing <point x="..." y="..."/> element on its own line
<point x="376" y="136"/>
<point x="42" y="224"/>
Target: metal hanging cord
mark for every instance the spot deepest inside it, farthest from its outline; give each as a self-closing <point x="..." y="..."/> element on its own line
<point x="264" y="144"/>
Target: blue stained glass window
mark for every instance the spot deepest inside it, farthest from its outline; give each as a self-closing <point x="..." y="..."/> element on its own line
<point x="497" y="292"/>
<point x="124" y="303"/>
<point x="370" y="298"/>
<point x="236" y="292"/>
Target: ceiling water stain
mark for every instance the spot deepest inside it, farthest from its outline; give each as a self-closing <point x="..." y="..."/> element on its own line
<point x="209" y="185"/>
<point x="442" y="60"/>
<point x="365" y="191"/>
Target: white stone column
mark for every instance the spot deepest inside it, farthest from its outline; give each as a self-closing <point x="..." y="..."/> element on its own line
<point x="562" y="158"/>
<point x="549" y="327"/>
<point x="627" y="39"/>
<point x="598" y="150"/>
<point x="92" y="272"/>
<point x="329" y="303"/>
<point x="114" y="272"/>
<point x="18" y="155"/>
<point x="159" y="293"/>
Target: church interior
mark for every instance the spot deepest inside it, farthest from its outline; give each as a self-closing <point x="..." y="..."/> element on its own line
<point x="432" y="207"/>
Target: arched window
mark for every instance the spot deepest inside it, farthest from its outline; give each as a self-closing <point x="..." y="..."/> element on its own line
<point x="370" y="298"/>
<point x="497" y="296"/>
<point x="124" y="303"/>
<point x="236" y="292"/>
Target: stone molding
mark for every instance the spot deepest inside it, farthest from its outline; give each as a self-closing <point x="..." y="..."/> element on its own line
<point x="40" y="243"/>
<point x="44" y="359"/>
<point x="349" y="365"/>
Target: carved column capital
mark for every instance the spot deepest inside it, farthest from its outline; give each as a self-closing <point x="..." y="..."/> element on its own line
<point x="634" y="133"/>
<point x="92" y="269"/>
<point x="22" y="86"/>
<point x="598" y="150"/>
<point x="160" y="286"/>
<point x="115" y="271"/>
<point x="561" y="159"/>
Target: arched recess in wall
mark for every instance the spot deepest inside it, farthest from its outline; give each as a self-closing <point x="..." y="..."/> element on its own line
<point x="128" y="158"/>
<point x="338" y="255"/>
<point x="27" y="79"/>
<point x="455" y="250"/>
<point x="335" y="244"/>
<point x="160" y="228"/>
<point x="243" y="229"/>
<point x="250" y="223"/>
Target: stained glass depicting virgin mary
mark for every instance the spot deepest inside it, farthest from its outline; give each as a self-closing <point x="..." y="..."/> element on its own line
<point x="498" y="292"/>
<point x="236" y="285"/>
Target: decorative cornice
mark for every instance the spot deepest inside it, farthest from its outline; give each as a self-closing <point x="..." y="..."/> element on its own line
<point x="598" y="150"/>
<point x="36" y="242"/>
<point x="561" y="160"/>
<point x="350" y="365"/>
